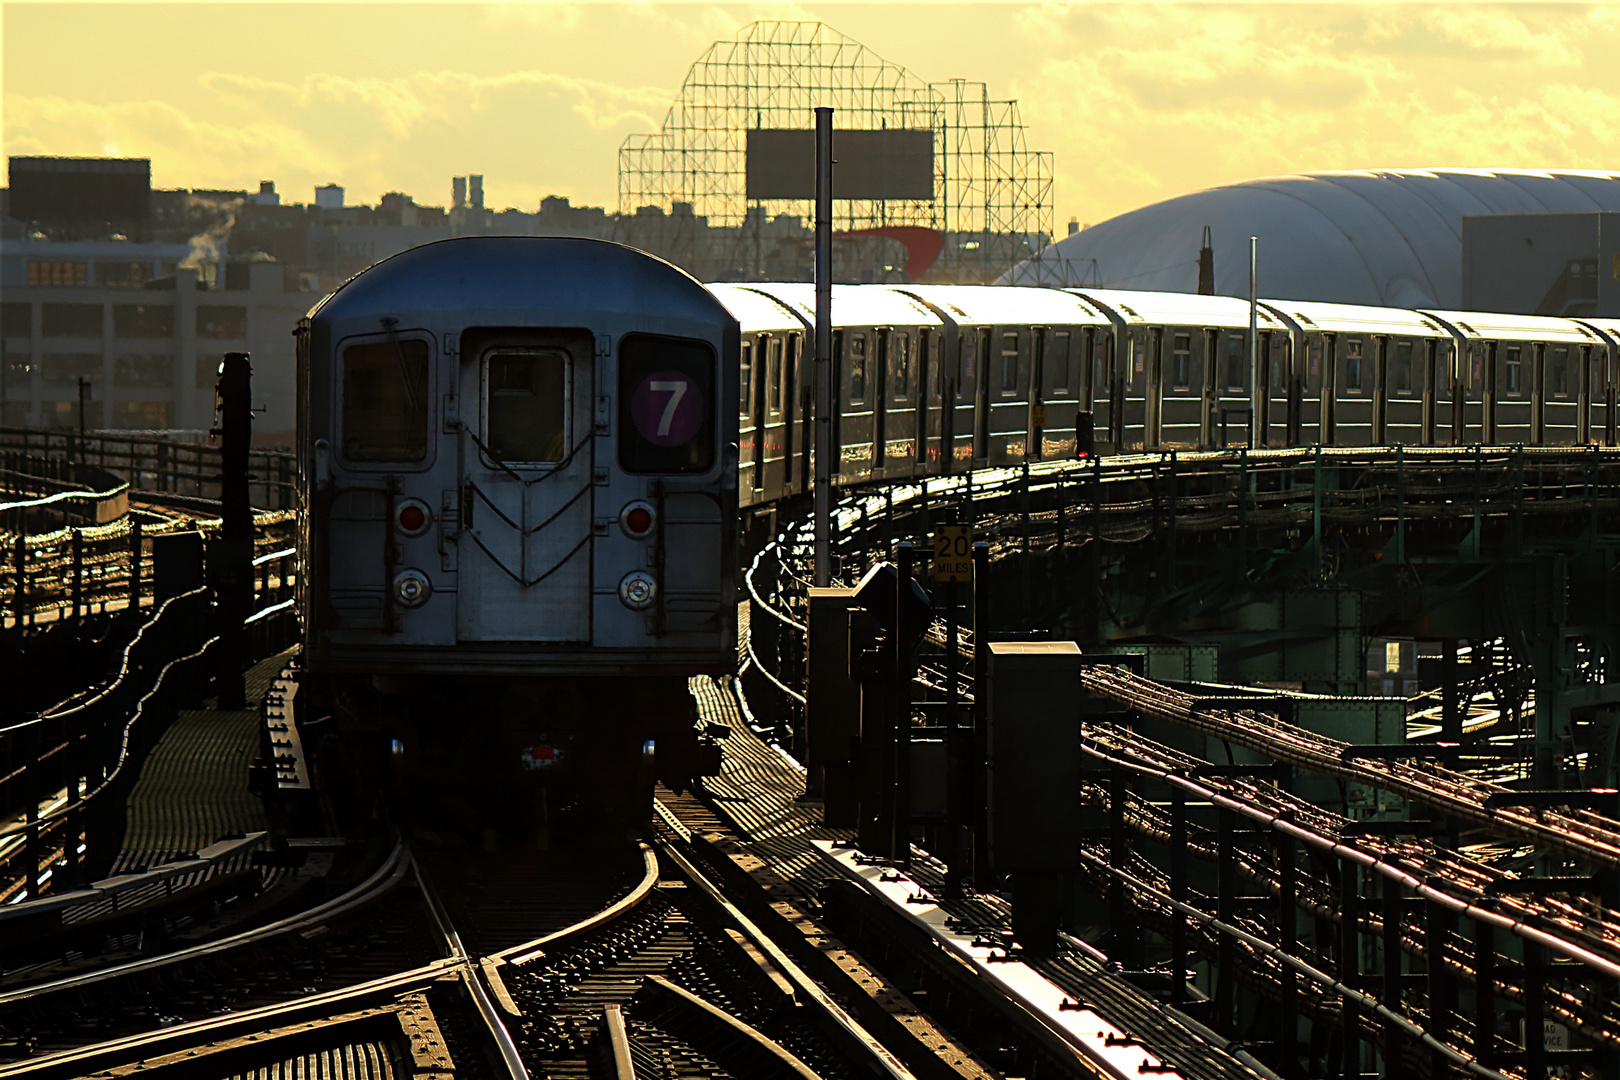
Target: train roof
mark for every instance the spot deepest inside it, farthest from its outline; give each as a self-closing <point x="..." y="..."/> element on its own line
<point x="1610" y="328"/>
<point x="1490" y="324"/>
<point x="1176" y="309"/>
<point x="756" y="312"/>
<point x="853" y="305"/>
<point x="1356" y="318"/>
<point x="992" y="304"/>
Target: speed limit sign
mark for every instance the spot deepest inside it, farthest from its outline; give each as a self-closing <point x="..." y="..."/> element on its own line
<point x="953" y="553"/>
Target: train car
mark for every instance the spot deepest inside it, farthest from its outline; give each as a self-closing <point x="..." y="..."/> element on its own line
<point x="519" y="513"/>
<point x="1603" y="402"/>
<point x="1365" y="376"/>
<point x="1177" y="375"/>
<point x="771" y="388"/>
<point x="1527" y="378"/>
<point x="883" y="342"/>
<point x="1022" y="400"/>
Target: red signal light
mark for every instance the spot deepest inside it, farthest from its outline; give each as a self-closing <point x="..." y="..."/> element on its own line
<point x="412" y="518"/>
<point x="639" y="520"/>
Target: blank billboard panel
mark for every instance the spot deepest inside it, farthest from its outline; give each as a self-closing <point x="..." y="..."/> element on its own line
<point x="61" y="190"/>
<point x="896" y="164"/>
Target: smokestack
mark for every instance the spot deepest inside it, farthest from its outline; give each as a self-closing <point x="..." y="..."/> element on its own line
<point x="475" y="191"/>
<point x="1074" y="225"/>
<point x="458" y="191"/>
<point x="1206" y="267"/>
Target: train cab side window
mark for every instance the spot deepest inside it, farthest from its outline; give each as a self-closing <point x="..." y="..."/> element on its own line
<point x="1237" y="362"/>
<point x="1057" y="360"/>
<point x="1352" y="364"/>
<point x="1009" y="363"/>
<point x="900" y="370"/>
<point x="773" y="376"/>
<point x="1558" y="371"/>
<point x="1512" y="366"/>
<point x="1181" y="361"/>
<point x="666" y="405"/>
<point x="745" y="379"/>
<point x="526" y="398"/>
<point x="857" y="367"/>
<point x="1401" y="364"/>
<point x="385" y="401"/>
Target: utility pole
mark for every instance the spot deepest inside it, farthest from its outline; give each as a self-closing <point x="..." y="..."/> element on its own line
<point x="84" y="392"/>
<point x="824" y="387"/>
<point x="230" y="554"/>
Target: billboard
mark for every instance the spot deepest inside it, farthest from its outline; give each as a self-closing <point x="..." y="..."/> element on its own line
<point x="90" y="191"/>
<point x="893" y="164"/>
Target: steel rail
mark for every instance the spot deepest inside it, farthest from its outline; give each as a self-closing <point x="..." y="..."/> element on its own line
<point x="1260" y="945"/>
<point x="384" y="878"/>
<point x="804" y="986"/>
<point x="1370" y="861"/>
<point x="468" y="969"/>
<point x="1453" y="793"/>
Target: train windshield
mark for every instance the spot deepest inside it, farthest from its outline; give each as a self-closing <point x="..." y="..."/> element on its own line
<point x="385" y="400"/>
<point x="666" y="405"/>
<point x="527" y="405"/>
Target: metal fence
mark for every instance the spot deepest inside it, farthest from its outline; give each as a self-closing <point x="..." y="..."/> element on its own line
<point x="162" y="465"/>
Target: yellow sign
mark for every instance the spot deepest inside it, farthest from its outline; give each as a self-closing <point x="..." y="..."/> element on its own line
<point x="953" y="553"/>
<point x="1037" y="415"/>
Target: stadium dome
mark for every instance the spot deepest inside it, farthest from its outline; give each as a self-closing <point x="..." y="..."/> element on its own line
<point x="1390" y="238"/>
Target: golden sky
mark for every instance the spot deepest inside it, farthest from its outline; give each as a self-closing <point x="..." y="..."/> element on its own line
<point x="1137" y="101"/>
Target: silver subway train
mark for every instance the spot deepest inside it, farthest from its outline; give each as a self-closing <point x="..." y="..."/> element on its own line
<point x="519" y="516"/>
<point x="526" y="462"/>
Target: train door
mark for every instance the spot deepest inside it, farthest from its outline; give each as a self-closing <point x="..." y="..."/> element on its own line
<point x="1512" y="420"/>
<point x="776" y="425"/>
<point x="1058" y="405"/>
<point x="526" y="497"/>
<point x="1035" y="428"/>
<point x="1234" y="407"/>
<point x="1153" y="390"/>
<point x="880" y="402"/>
<point x="1428" y="367"/>
<point x="952" y="389"/>
<point x="751" y="410"/>
<point x="1275" y="354"/>
<point x="1562" y="422"/>
<point x="1353" y="405"/>
<point x="900" y="429"/>
<point x="925" y="424"/>
<point x="1404" y="371"/>
<point x="982" y="397"/>
<point x="1329" y="397"/>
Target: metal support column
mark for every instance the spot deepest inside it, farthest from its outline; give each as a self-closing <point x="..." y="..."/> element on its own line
<point x="822" y="447"/>
<point x="1349" y="967"/>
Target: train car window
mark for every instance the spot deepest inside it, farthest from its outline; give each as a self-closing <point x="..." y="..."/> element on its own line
<point x="526" y="404"/>
<point x="966" y="345"/>
<point x="1513" y="362"/>
<point x="1009" y="362"/>
<point x="666" y="410"/>
<point x="900" y="371"/>
<point x="1057" y="360"/>
<point x="385" y="400"/>
<point x="745" y="378"/>
<point x="773" y="375"/>
<point x="1352" y="363"/>
<point x="857" y="367"/>
<point x="1401" y="375"/>
<point x="1237" y="362"/>
<point x="1181" y="361"/>
<point x="1558" y="371"/>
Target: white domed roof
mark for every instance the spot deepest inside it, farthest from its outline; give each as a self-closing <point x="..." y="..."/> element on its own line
<point x="1391" y="238"/>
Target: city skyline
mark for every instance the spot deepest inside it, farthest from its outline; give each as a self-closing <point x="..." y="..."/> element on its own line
<point x="1138" y="102"/>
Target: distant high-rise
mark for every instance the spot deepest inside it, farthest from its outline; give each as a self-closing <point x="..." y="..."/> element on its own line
<point x="475" y="191"/>
<point x="458" y="192"/>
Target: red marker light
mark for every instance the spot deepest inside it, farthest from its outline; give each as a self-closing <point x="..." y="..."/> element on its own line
<point x="638" y="520"/>
<point x="411" y="518"/>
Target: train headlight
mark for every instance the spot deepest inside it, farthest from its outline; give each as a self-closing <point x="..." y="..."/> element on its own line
<point x="412" y="516"/>
<point x="637" y="590"/>
<point x="412" y="588"/>
<point x="637" y="519"/>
